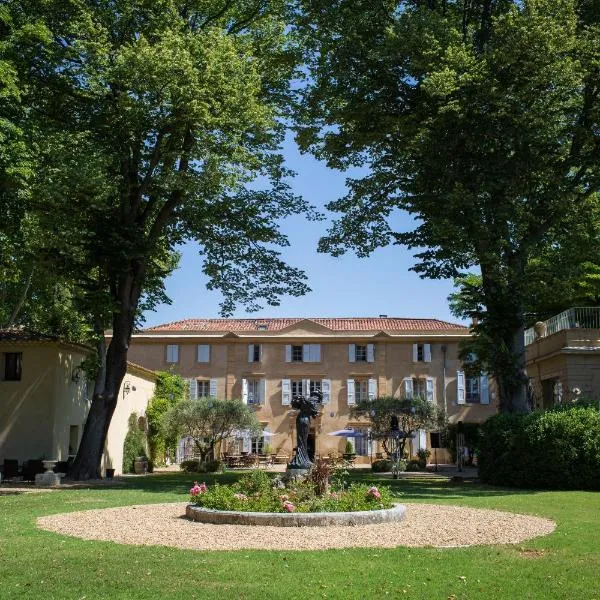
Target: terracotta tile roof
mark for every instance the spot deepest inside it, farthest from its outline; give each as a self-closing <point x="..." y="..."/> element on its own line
<point x="391" y="324"/>
<point x="16" y="334"/>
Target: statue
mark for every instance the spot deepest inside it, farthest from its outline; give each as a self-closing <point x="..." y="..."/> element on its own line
<point x="308" y="407"/>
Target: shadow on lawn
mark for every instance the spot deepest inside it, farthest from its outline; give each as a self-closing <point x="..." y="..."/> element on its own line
<point x="410" y="489"/>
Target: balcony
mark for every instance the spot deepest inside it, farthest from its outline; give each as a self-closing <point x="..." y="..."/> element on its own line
<point x="583" y="317"/>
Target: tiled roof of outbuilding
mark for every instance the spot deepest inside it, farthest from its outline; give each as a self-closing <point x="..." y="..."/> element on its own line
<point x="392" y="324"/>
<point x="16" y="334"/>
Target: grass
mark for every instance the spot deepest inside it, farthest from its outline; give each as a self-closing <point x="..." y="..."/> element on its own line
<point x="38" y="564"/>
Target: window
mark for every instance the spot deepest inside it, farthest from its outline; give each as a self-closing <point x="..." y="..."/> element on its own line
<point x="421" y="352"/>
<point x="13" y="363"/>
<point x="315" y="386"/>
<point x="361" y="444"/>
<point x="203" y="353"/>
<point x="203" y="388"/>
<point x="257" y="444"/>
<point x="297" y="388"/>
<point x="253" y="352"/>
<point x="420" y="388"/>
<point x="303" y="353"/>
<point x="253" y="391"/>
<point x="172" y="353"/>
<point x="473" y="390"/>
<point x="360" y="353"/>
<point x="361" y="390"/>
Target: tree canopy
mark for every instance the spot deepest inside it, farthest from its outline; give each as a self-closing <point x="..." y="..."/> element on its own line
<point x="149" y="124"/>
<point x="479" y="119"/>
<point x="395" y="420"/>
<point x="209" y="421"/>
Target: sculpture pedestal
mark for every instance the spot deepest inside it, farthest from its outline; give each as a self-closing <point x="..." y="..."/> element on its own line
<point x="48" y="479"/>
<point x="294" y="474"/>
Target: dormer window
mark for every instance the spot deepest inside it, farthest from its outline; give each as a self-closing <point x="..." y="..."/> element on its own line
<point x="262" y="326"/>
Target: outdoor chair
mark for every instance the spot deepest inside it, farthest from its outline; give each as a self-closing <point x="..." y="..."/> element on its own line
<point x="31" y="469"/>
<point x="11" y="468"/>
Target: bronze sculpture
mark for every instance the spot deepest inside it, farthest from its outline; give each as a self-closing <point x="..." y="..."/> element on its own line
<point x="307" y="407"/>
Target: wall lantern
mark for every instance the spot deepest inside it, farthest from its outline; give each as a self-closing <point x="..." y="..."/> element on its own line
<point x="76" y="374"/>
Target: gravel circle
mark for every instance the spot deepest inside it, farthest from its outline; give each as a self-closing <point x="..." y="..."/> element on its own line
<point x="424" y="525"/>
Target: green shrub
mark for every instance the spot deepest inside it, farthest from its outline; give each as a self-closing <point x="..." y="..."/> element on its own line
<point x="383" y="465"/>
<point x="556" y="449"/>
<point x="413" y="465"/>
<point x="195" y="466"/>
<point x="348" y="447"/>
<point x="256" y="492"/>
<point x="189" y="466"/>
<point x="134" y="444"/>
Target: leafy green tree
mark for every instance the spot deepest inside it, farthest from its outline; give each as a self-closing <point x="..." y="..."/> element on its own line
<point x="394" y="420"/>
<point x="169" y="391"/>
<point x="559" y="274"/>
<point x="209" y="421"/>
<point x="480" y="119"/>
<point x="154" y="123"/>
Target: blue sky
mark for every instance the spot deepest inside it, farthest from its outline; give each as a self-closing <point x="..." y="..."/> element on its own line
<point x="341" y="287"/>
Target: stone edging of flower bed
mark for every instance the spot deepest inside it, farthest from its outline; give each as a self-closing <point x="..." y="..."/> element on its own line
<point x="316" y="519"/>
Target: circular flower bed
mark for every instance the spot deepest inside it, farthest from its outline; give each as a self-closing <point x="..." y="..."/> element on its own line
<point x="257" y="492"/>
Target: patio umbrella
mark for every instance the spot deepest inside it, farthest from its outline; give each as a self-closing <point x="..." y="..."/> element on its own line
<point x="241" y="433"/>
<point x="352" y="433"/>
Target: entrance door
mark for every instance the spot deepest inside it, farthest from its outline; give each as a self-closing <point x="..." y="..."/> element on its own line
<point x="310" y="443"/>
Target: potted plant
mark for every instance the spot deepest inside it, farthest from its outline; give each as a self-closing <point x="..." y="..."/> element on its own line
<point x="349" y="452"/>
<point x="423" y="455"/>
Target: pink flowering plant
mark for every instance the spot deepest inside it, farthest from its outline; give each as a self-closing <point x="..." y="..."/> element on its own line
<point x="256" y="492"/>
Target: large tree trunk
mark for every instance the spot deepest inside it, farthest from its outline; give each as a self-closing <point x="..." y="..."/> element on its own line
<point x="87" y="464"/>
<point x="505" y="326"/>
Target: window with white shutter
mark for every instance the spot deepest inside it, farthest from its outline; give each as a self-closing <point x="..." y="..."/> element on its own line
<point x="193" y="389"/>
<point x="352" y="352"/>
<point x="372" y="393"/>
<point x="430" y="390"/>
<point x="286" y="392"/>
<point x="460" y="387"/>
<point x="255" y="391"/>
<point x="254" y="353"/>
<point x="262" y="391"/>
<point x="370" y="353"/>
<point x="484" y="386"/>
<point x="427" y="352"/>
<point x="421" y="352"/>
<point x="350" y="392"/>
<point x="326" y="390"/>
<point x="172" y="353"/>
<point x="407" y="387"/>
<point x="213" y="388"/>
<point x="244" y="391"/>
<point x="288" y="353"/>
<point x="203" y="353"/>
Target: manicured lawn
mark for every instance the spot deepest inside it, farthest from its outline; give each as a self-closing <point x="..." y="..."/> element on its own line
<point x="39" y="564"/>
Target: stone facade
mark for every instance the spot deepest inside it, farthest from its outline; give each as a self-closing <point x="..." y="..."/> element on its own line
<point x="265" y="361"/>
<point x="562" y="364"/>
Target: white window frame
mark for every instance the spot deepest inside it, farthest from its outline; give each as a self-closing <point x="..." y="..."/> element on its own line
<point x="202" y="385"/>
<point x="252" y="353"/>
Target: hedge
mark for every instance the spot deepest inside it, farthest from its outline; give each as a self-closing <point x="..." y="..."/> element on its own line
<point x="555" y="449"/>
